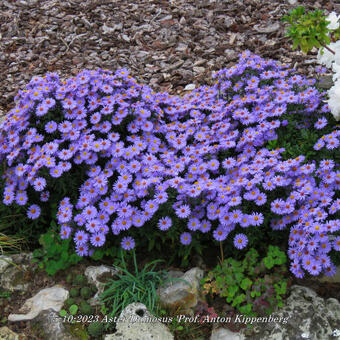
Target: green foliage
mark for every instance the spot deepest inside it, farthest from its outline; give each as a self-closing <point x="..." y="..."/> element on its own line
<point x="94" y="289"/>
<point x="5" y="294"/>
<point x="299" y="136"/>
<point x="85" y="293"/>
<point x="128" y="287"/>
<point x="85" y="308"/>
<point x="95" y="329"/>
<point x="307" y="30"/>
<point x="251" y="286"/>
<point x="73" y="309"/>
<point x="63" y="313"/>
<point x="69" y="302"/>
<point x="80" y="280"/>
<point x="56" y="254"/>
<point x="74" y="292"/>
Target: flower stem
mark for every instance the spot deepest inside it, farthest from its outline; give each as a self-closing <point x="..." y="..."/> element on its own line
<point x="221" y="251"/>
<point x="327" y="48"/>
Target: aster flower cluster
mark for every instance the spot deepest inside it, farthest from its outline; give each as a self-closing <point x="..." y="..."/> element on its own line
<point x="202" y="155"/>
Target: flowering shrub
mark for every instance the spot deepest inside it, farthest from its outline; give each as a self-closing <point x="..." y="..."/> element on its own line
<point x="202" y="159"/>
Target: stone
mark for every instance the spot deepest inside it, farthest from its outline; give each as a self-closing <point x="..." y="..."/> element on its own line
<point x="52" y="325"/>
<point x="98" y="275"/>
<point x="137" y="323"/>
<point x="182" y="294"/>
<point x="304" y="315"/>
<point x="190" y="87"/>
<point x="225" y="334"/>
<point x="7" y="334"/>
<point x="53" y="297"/>
<point x="326" y="82"/>
<point x="5" y="262"/>
<point x="12" y="270"/>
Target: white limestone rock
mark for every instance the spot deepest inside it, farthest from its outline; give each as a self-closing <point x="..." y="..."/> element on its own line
<point x="306" y="315"/>
<point x="95" y="275"/>
<point x="7" y="334"/>
<point x="5" y="262"/>
<point x="190" y="87"/>
<point x="137" y="323"/>
<point x="225" y="334"/>
<point x="47" y="298"/>
<point x="12" y="270"/>
<point x="182" y="294"/>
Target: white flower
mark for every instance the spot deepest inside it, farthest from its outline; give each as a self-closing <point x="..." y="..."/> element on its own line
<point x="334" y="100"/>
<point x="336" y="70"/>
<point x="327" y="57"/>
<point x="334" y="21"/>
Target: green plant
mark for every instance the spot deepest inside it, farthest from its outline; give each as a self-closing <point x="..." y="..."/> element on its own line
<point x="127" y="287"/>
<point x="55" y="254"/>
<point x="63" y="312"/>
<point x="86" y="292"/>
<point x="69" y="302"/>
<point x="251" y="286"/>
<point x="308" y="30"/>
<point x="69" y="278"/>
<point x="74" y="292"/>
<point x="5" y="294"/>
<point x="80" y="280"/>
<point x="95" y="329"/>
<point x="73" y="309"/>
<point x="85" y="308"/>
<point x="94" y="289"/>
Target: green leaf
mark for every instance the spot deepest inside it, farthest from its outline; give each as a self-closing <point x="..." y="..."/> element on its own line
<point x="238" y="300"/>
<point x="246" y="283"/>
<point x="232" y="290"/>
<point x="73" y="309"/>
<point x="63" y="313"/>
<point x="245" y="309"/>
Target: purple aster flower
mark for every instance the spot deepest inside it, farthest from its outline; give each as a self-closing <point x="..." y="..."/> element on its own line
<point x="39" y="184"/>
<point x="128" y="243"/>
<point x="33" y="212"/>
<point x="220" y="234"/>
<point x="80" y="237"/>
<point x="205" y="226"/>
<point x="229" y="163"/>
<point x="164" y="223"/>
<point x="93" y="226"/>
<point x="183" y="211"/>
<point x="315" y="268"/>
<point x="41" y="110"/>
<point x="327" y="164"/>
<point x="331" y="270"/>
<point x="8" y="198"/>
<point x="65" y="231"/>
<point x="234" y="201"/>
<point x="82" y="250"/>
<point x="321" y="123"/>
<point x="90" y="212"/>
<point x="236" y="216"/>
<point x="336" y="243"/>
<point x="245" y="221"/>
<point x="56" y="171"/>
<point x="194" y="224"/>
<point x="185" y="238"/>
<point x="97" y="239"/>
<point x="21" y="198"/>
<point x="261" y="199"/>
<point x="240" y="241"/>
